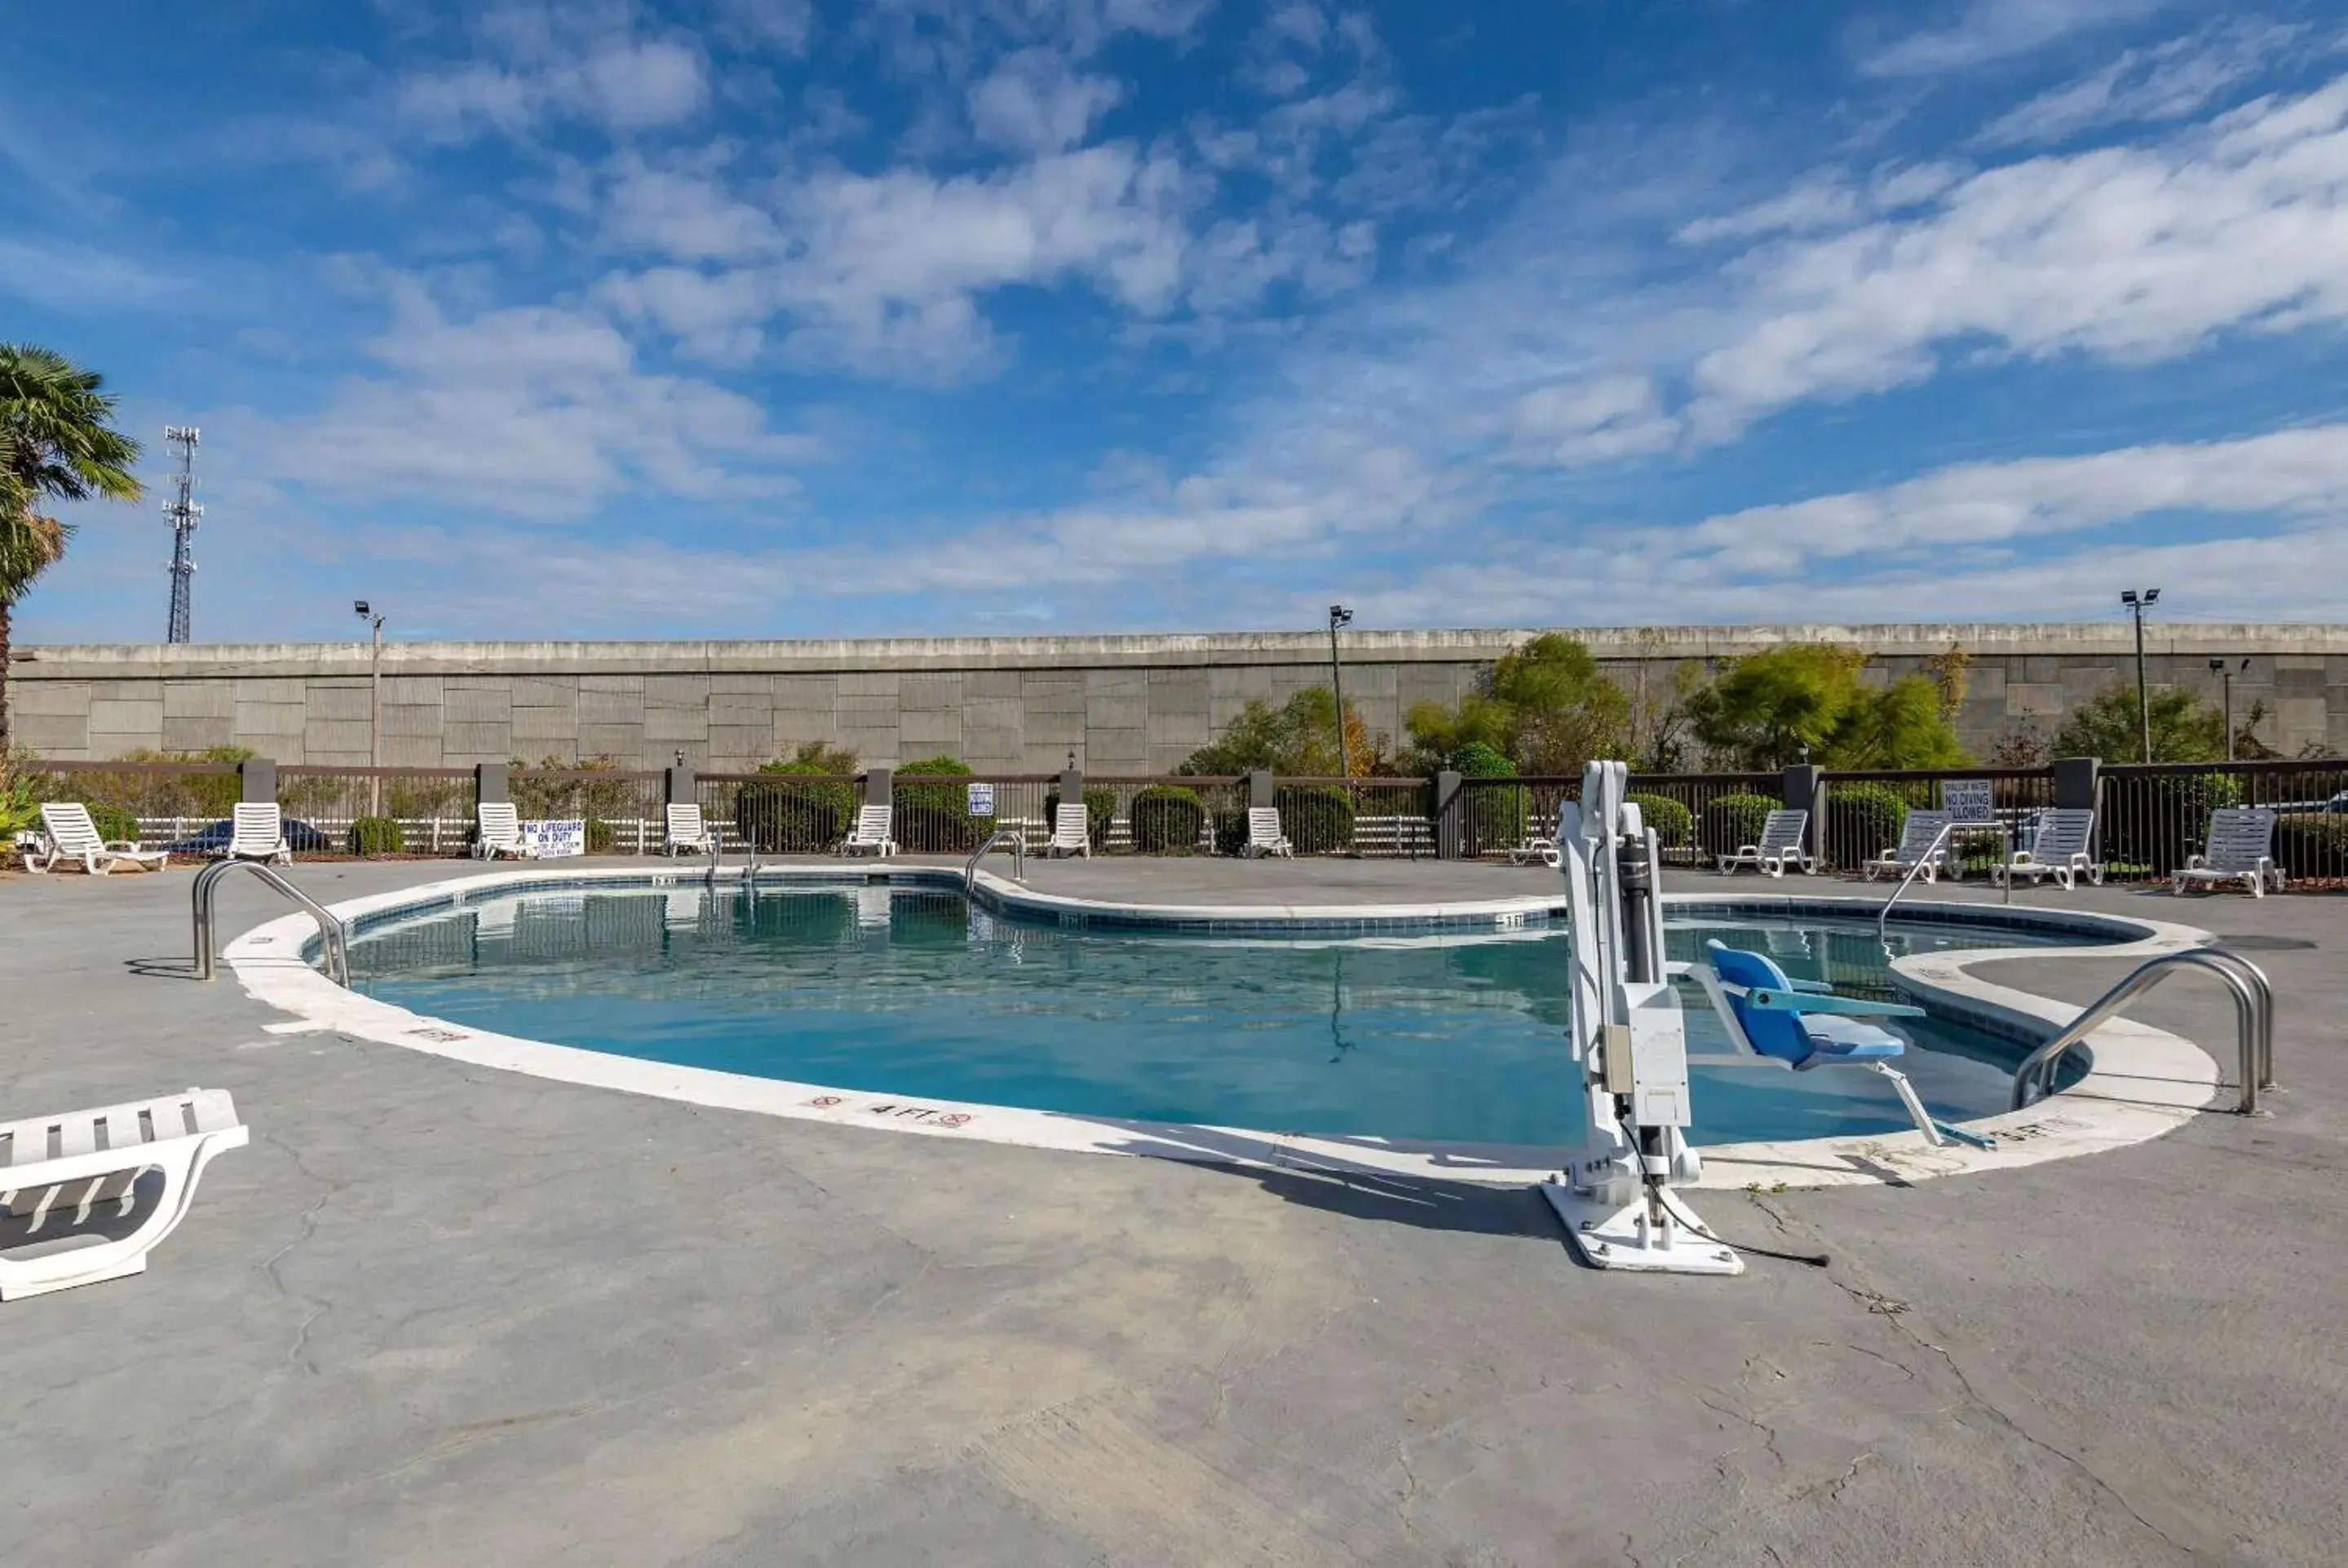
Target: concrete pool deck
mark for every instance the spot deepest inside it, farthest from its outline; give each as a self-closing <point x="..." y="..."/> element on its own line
<point x="441" y="1314"/>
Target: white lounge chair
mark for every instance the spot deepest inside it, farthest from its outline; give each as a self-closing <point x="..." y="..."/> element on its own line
<point x="2239" y="848"/>
<point x="498" y="826"/>
<point x="1264" y="837"/>
<point x="688" y="834"/>
<point x="55" y="1166"/>
<point x="1782" y="835"/>
<point x="71" y="836"/>
<point x="1071" y="831"/>
<point x="874" y="824"/>
<point x="1917" y="837"/>
<point x="2058" y="848"/>
<point x="257" y="832"/>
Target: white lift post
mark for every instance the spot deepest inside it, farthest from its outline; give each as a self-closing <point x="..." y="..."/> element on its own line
<point x="1629" y="1040"/>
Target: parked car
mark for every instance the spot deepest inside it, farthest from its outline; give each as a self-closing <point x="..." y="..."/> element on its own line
<point x="300" y="837"/>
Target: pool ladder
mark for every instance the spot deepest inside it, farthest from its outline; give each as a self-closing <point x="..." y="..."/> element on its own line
<point x="1004" y="838"/>
<point x="332" y="935"/>
<point x="2253" y="1022"/>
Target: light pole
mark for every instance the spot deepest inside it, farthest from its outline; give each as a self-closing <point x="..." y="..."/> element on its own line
<point x="2220" y="668"/>
<point x="2138" y="604"/>
<point x="1339" y="616"/>
<point x="375" y="706"/>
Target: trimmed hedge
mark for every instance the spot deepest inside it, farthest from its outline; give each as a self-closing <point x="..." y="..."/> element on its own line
<point x="1169" y="819"/>
<point x="934" y="818"/>
<point x="1674" y="823"/>
<point x="2312" y="844"/>
<point x="375" y="835"/>
<point x="1317" y="818"/>
<point x="1732" y="821"/>
<point x="791" y="818"/>
<point x="1863" y="820"/>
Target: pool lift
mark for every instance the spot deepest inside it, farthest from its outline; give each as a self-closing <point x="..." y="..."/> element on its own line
<point x="1627" y="1033"/>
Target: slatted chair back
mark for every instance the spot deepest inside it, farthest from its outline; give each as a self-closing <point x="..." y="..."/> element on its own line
<point x="1782" y="829"/>
<point x="258" y="827"/>
<point x="1917" y="835"/>
<point x="84" y="1136"/>
<point x="2062" y="833"/>
<point x="1071" y="826"/>
<point x="500" y="824"/>
<point x="1263" y="826"/>
<point x="2239" y="838"/>
<point x="70" y="828"/>
<point x="873" y="825"/>
<point x="684" y="824"/>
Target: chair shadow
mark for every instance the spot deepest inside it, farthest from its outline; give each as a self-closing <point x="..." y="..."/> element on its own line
<point x="173" y="968"/>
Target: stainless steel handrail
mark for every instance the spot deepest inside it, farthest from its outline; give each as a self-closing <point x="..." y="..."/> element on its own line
<point x="2253" y="1021"/>
<point x="1939" y="839"/>
<point x="1004" y="838"/>
<point x="332" y="935"/>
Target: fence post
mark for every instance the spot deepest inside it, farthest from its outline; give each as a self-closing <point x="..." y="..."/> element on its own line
<point x="257" y="781"/>
<point x="880" y="786"/>
<point x="1260" y="788"/>
<point x="1448" y="815"/>
<point x="490" y="784"/>
<point x="2077" y="781"/>
<point x="1806" y="790"/>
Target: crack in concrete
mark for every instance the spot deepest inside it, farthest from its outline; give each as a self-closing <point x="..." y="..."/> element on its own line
<point x="298" y="1353"/>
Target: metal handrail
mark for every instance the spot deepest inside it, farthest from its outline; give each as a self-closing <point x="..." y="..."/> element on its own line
<point x="332" y="935"/>
<point x="1004" y="838"/>
<point x="2253" y="1021"/>
<point x="1939" y="839"/>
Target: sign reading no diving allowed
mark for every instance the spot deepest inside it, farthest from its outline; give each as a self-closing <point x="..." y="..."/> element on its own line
<point x="982" y="800"/>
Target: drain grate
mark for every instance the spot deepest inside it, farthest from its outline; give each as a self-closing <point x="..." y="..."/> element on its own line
<point x="2260" y="944"/>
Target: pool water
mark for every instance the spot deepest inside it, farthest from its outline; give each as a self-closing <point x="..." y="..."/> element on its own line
<point x="904" y="991"/>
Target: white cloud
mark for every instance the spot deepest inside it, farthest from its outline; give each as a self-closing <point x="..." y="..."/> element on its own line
<point x="530" y="412"/>
<point x="1596" y="421"/>
<point x="544" y="64"/>
<point x="2133" y="253"/>
<point x="1034" y="102"/>
<point x="1985" y="31"/>
<point x="2169" y="82"/>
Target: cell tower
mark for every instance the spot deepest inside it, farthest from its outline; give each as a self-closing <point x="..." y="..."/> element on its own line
<point x="182" y="510"/>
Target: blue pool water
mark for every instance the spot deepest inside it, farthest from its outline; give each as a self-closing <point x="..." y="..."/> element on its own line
<point x="913" y="992"/>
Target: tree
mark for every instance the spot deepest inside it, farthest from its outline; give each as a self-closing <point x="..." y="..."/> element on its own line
<point x="2185" y="729"/>
<point x="56" y="443"/>
<point x="1298" y="738"/>
<point x="1772" y="708"/>
<point x="1545" y="706"/>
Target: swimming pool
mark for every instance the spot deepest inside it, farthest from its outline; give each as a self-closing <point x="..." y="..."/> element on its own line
<point x="901" y="989"/>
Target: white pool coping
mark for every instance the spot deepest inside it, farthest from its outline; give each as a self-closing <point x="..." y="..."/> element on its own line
<point x="2142" y="1081"/>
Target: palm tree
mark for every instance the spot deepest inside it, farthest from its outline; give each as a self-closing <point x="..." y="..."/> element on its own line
<point x="56" y="443"/>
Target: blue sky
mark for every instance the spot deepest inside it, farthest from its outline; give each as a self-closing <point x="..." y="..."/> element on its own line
<point x="767" y="318"/>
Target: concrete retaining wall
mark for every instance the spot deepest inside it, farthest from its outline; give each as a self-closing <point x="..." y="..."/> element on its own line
<point x="1122" y="704"/>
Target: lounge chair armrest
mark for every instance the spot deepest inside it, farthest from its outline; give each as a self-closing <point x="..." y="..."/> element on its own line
<point x="1804" y="1001"/>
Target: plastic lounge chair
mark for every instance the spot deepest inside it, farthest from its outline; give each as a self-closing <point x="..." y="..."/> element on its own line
<point x="1782" y="833"/>
<point x="1802" y="1026"/>
<point x="1915" y="847"/>
<point x="873" y="826"/>
<point x="54" y="1167"/>
<point x="688" y="834"/>
<point x="1071" y="831"/>
<point x="2239" y="848"/>
<point x="257" y="832"/>
<point x="499" y="831"/>
<point x="71" y="836"/>
<point x="2057" y="848"/>
<point x="1264" y="837"/>
<point x="1535" y="852"/>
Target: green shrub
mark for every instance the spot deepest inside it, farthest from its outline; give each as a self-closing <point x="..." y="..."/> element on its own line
<point x="2312" y="844"/>
<point x="1863" y="820"/>
<point x="1168" y="820"/>
<point x="114" y="825"/>
<point x="374" y="835"/>
<point x="1100" y="811"/>
<point x="1731" y="821"/>
<point x="1674" y="823"/>
<point x="602" y="836"/>
<point x="934" y="818"/>
<point x="788" y="818"/>
<point x="1495" y="817"/>
<point x="1230" y="831"/>
<point x="2156" y="821"/>
<point x="1318" y="819"/>
<point x="20" y="809"/>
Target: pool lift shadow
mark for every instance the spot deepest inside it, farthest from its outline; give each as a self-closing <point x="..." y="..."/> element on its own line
<point x="1626" y="1033"/>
